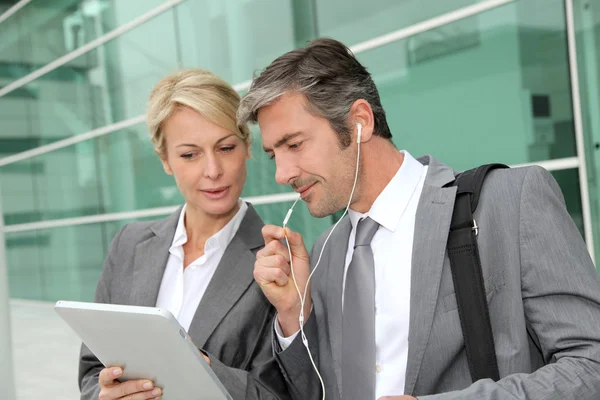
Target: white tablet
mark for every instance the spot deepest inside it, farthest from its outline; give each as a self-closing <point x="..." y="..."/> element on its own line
<point x="148" y="343"/>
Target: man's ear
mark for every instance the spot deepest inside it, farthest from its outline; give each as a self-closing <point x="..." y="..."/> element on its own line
<point x="361" y="113"/>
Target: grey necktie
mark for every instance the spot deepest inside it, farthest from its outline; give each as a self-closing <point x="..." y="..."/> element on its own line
<point x="358" y="329"/>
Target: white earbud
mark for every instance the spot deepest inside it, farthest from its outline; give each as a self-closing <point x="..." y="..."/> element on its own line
<point x="359" y="127"/>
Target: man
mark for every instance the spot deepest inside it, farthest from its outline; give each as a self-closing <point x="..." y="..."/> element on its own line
<point x="396" y="333"/>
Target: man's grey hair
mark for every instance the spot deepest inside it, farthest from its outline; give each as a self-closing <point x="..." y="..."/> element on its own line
<point x="330" y="77"/>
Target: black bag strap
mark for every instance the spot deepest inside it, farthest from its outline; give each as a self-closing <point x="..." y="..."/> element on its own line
<point x="468" y="277"/>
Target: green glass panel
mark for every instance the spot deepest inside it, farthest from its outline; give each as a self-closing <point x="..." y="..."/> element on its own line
<point x="45" y="30"/>
<point x="481" y="89"/>
<point x="233" y="38"/>
<point x="111" y="173"/>
<point x="587" y="23"/>
<point x="59" y="263"/>
<point x="108" y="84"/>
<point x="355" y="21"/>
<point x="568" y="180"/>
<point x="112" y="82"/>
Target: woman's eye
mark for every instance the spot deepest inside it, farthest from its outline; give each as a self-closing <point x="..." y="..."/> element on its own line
<point x="188" y="156"/>
<point x="227" y="149"/>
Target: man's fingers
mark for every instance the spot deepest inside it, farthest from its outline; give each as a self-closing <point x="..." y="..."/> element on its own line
<point x="265" y="276"/>
<point x="273" y="248"/>
<point x="271" y="233"/>
<point x="276" y="261"/>
<point x="296" y="244"/>
<point x="275" y="242"/>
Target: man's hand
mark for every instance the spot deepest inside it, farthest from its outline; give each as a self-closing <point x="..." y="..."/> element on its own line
<point x="111" y="389"/>
<point x="272" y="272"/>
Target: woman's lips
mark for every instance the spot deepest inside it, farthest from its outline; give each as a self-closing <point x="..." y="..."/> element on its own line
<point x="217" y="193"/>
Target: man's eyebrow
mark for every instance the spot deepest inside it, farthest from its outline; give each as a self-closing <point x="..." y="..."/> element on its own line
<point x="286" y="138"/>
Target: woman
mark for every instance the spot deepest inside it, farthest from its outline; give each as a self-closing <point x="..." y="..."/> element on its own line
<point x="197" y="263"/>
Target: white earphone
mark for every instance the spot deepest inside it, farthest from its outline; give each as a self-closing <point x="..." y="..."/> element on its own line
<point x="303" y="297"/>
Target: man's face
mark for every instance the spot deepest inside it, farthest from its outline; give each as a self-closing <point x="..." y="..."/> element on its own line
<point x="307" y="154"/>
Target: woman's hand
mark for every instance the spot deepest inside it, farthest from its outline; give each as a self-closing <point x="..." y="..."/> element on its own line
<point x="111" y="389"/>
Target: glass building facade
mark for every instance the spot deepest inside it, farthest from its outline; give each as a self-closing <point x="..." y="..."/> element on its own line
<point x="470" y="82"/>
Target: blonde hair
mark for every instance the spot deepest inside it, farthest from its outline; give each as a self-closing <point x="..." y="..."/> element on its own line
<point x="200" y="90"/>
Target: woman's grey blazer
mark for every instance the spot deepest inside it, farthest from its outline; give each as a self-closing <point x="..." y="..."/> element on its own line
<point x="233" y="322"/>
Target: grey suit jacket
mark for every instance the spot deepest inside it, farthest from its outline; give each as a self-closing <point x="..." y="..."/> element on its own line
<point x="542" y="289"/>
<point x="233" y="320"/>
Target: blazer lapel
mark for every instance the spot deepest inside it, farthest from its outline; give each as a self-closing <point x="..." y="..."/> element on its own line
<point x="333" y="296"/>
<point x="150" y="261"/>
<point x="231" y="279"/>
<point x="432" y="223"/>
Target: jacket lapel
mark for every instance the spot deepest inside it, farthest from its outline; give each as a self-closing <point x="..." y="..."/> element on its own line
<point x="333" y="296"/>
<point x="432" y="223"/>
<point x="234" y="274"/>
<point x="150" y="260"/>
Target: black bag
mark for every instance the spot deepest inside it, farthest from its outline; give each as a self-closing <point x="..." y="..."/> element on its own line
<point x="468" y="277"/>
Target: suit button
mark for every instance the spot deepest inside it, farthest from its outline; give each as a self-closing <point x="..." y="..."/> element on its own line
<point x="378" y="368"/>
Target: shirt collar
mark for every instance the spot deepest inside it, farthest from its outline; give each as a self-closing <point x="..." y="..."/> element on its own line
<point x="393" y="200"/>
<point x="218" y="241"/>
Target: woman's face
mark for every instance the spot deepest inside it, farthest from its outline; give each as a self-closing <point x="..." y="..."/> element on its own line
<point x="207" y="161"/>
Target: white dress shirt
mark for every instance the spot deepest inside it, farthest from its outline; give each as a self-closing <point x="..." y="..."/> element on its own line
<point x="395" y="210"/>
<point x="181" y="289"/>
